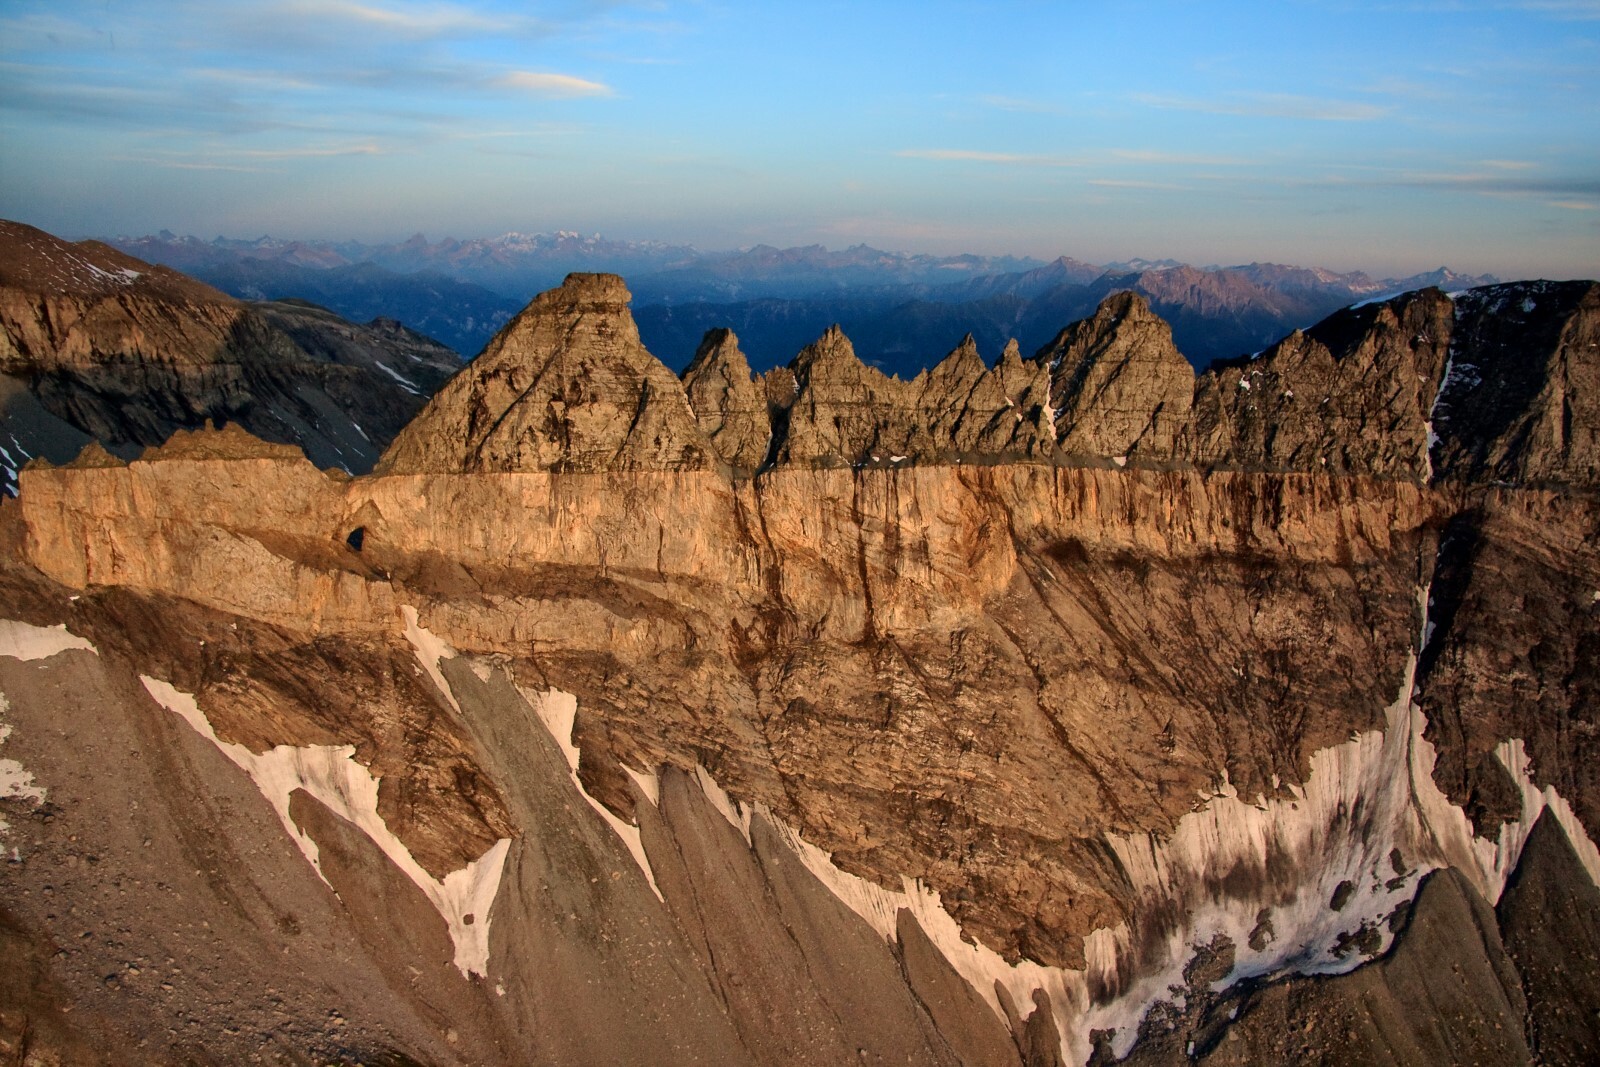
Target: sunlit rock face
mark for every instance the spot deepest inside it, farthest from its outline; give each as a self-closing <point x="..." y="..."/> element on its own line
<point x="1071" y="707"/>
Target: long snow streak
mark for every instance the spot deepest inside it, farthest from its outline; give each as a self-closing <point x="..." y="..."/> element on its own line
<point x="331" y="774"/>
<point x="558" y="711"/>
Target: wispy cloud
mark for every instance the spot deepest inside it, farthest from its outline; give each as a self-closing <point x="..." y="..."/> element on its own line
<point x="967" y="155"/>
<point x="1118" y="183"/>
<point x="314" y="151"/>
<point x="412" y="19"/>
<point x="1017" y="103"/>
<point x="543" y="83"/>
<point x="1575" y="205"/>
<point x="182" y="164"/>
<point x="1583" y="10"/>
<point x="1270" y="105"/>
<point x="1145" y="155"/>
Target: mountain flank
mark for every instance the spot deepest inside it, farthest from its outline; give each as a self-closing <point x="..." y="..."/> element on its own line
<point x="96" y="344"/>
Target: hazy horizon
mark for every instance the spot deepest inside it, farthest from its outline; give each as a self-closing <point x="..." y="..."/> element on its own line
<point x="1387" y="137"/>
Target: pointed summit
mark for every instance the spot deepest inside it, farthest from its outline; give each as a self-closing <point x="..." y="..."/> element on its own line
<point x="1117" y="383"/>
<point x="730" y="407"/>
<point x="840" y="405"/>
<point x="566" y="386"/>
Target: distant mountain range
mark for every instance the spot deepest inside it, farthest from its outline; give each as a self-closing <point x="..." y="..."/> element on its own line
<point x="904" y="311"/>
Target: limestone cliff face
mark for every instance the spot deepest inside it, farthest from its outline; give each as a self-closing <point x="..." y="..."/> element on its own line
<point x="1118" y="385"/>
<point x="987" y="627"/>
<point x="565" y="386"/>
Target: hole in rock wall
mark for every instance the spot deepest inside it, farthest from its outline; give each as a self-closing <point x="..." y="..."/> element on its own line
<point x="356" y="538"/>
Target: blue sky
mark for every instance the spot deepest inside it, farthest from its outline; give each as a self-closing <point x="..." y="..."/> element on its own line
<point x="1390" y="137"/>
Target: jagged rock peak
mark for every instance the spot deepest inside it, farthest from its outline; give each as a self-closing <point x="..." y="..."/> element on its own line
<point x="962" y="362"/>
<point x="1118" y="385"/>
<point x="566" y="385"/>
<point x="844" y="412"/>
<point x="728" y="404"/>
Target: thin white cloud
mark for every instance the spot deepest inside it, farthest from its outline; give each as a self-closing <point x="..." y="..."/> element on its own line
<point x="1116" y="183"/>
<point x="1145" y="155"/>
<point x="967" y="155"/>
<point x="1582" y="10"/>
<point x="1574" y="205"/>
<point x="176" y="164"/>
<point x="1270" y="105"/>
<point x="542" y="83"/>
<point x="1017" y="103"/>
<point x="425" y="20"/>
<point x="314" y="151"/>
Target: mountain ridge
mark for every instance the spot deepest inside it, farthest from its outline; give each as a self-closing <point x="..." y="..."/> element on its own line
<point x="1060" y="709"/>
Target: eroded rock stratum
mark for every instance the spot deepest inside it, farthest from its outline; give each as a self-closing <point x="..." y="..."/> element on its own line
<point x="827" y="715"/>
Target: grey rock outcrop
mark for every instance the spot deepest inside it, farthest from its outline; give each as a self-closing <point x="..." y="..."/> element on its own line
<point x="125" y="353"/>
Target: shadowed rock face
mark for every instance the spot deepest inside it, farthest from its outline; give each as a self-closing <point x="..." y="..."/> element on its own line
<point x="126" y="353"/>
<point x="1352" y="394"/>
<point x="1521" y="403"/>
<point x="1550" y="920"/>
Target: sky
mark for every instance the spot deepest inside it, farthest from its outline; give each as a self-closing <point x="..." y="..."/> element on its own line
<point x="1387" y="137"/>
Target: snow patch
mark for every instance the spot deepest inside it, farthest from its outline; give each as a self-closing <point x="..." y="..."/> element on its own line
<point x="16" y="782"/>
<point x="558" y="712"/>
<point x="331" y="774"/>
<point x="737" y="814"/>
<point x="1377" y="299"/>
<point x="405" y="383"/>
<point x="26" y="642"/>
